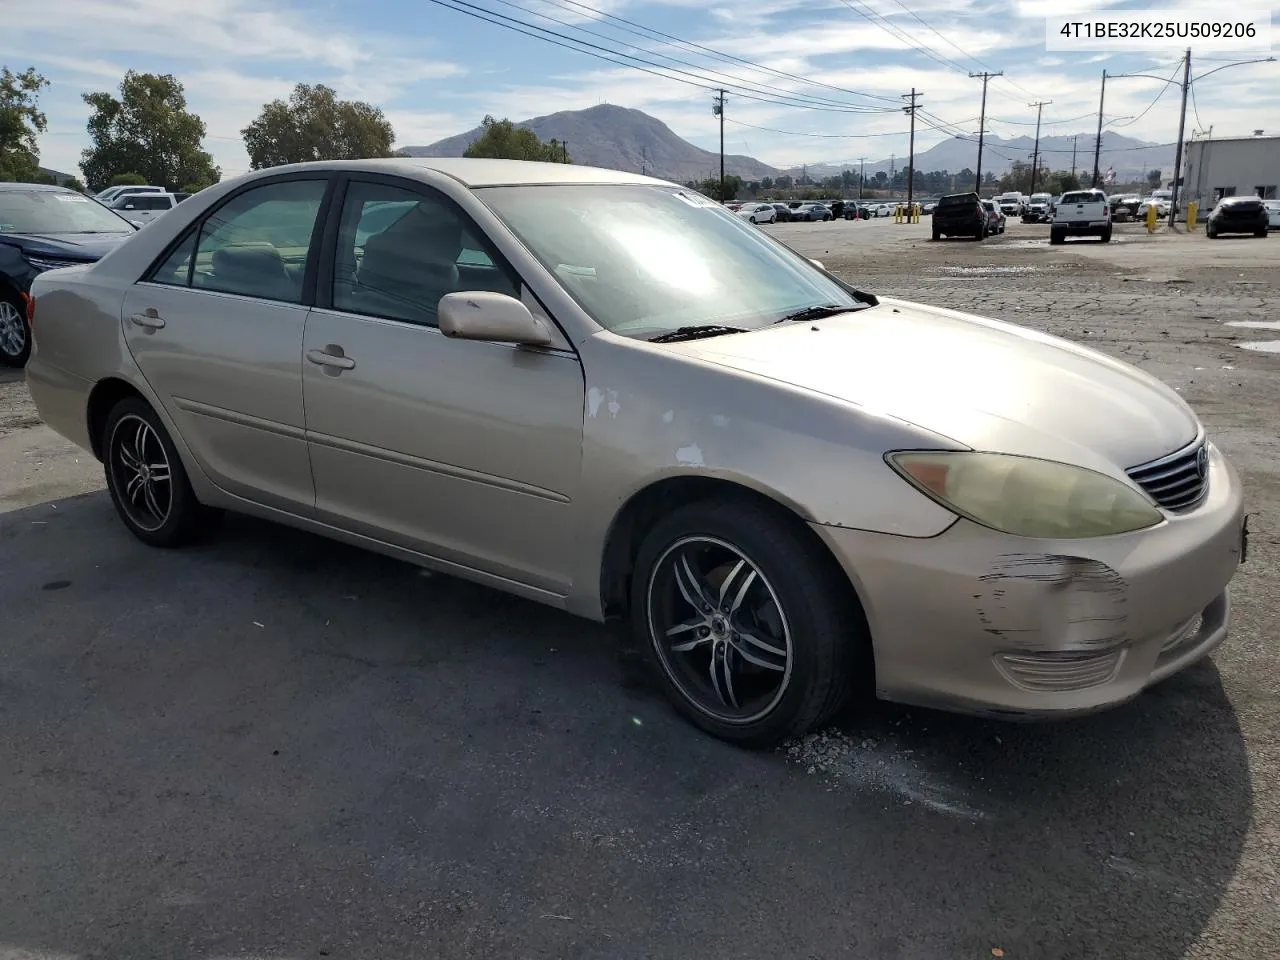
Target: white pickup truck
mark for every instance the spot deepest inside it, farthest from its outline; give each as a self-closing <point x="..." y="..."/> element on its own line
<point x="1081" y="213"/>
<point x="1012" y="204"/>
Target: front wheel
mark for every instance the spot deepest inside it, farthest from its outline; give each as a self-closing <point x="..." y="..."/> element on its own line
<point x="147" y="481"/>
<point x="753" y="634"/>
<point x="1056" y="237"/>
<point x="15" y="335"/>
<point x="936" y="236"/>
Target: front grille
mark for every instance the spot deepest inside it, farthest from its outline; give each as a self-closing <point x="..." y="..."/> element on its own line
<point x="1177" y="481"/>
<point x="1057" y="672"/>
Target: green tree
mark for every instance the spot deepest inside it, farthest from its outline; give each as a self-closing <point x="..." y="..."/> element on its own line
<point x="21" y="121"/>
<point x="1153" y="178"/>
<point x="1061" y="181"/>
<point x="503" y="140"/>
<point x="128" y="180"/>
<point x="73" y="184"/>
<point x="766" y="183"/>
<point x="148" y="131"/>
<point x="711" y="187"/>
<point x="315" y="125"/>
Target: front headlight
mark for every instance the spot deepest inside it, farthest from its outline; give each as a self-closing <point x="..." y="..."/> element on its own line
<point x="1026" y="497"/>
<point x="49" y="263"/>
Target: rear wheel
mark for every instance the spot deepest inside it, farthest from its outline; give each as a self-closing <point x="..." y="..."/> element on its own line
<point x="752" y="633"/>
<point x="936" y="236"/>
<point x="1105" y="236"/>
<point x="1261" y="233"/>
<point x="147" y="481"/>
<point x="15" y="335"/>
<point x="1056" y="236"/>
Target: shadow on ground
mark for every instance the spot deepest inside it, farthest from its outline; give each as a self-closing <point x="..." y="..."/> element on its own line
<point x="277" y="746"/>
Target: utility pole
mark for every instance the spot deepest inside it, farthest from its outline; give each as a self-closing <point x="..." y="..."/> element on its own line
<point x="564" y="151"/>
<point x="862" y="174"/>
<point x="1097" y="144"/>
<point x="1182" y="127"/>
<point x="911" y="148"/>
<point x="718" y="110"/>
<point x="982" y="120"/>
<point x="1074" y="138"/>
<point x="893" y="171"/>
<point x="1035" y="156"/>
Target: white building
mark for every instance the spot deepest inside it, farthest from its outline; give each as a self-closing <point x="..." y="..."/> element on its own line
<point x="1231" y="166"/>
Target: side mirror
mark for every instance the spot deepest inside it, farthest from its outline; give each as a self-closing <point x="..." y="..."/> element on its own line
<point x="818" y="263"/>
<point x="495" y="317"/>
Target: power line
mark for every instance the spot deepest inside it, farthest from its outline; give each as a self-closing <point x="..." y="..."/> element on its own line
<point x="638" y="63"/>
<point x="639" y="29"/>
<point x="820" y="136"/>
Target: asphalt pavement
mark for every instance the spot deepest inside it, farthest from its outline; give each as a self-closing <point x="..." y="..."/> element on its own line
<point x="275" y="746"/>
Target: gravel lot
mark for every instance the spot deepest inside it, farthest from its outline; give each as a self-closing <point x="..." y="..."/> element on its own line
<point x="278" y="747"/>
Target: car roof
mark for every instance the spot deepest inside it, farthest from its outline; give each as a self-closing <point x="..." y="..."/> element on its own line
<point x="478" y="172"/>
<point x="28" y="187"/>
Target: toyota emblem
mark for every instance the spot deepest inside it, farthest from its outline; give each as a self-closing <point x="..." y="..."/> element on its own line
<point x="1202" y="462"/>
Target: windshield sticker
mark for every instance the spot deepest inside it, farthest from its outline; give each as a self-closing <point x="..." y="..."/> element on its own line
<point x="695" y="199"/>
<point x="70" y="198"/>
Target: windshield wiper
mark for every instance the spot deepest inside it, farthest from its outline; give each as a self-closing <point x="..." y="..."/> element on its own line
<point x="697" y="332"/>
<point x="818" y="312"/>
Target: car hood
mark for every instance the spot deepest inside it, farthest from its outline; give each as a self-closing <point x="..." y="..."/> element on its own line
<point x="985" y="384"/>
<point x="71" y="246"/>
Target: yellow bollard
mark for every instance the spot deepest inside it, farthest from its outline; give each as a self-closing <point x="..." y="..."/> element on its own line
<point x="916" y="218"/>
<point x="897" y="214"/>
<point x="1152" y="215"/>
<point x="1193" y="211"/>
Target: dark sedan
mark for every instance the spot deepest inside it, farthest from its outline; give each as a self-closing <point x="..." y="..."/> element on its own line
<point x="1238" y="215"/>
<point x="41" y="228"/>
<point x="784" y="212"/>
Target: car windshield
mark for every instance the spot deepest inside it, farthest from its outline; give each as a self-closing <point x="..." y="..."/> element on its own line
<point x="56" y="211"/>
<point x="645" y="260"/>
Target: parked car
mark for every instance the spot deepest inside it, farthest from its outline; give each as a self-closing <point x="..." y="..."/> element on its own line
<point x="784" y="212"/>
<point x="1039" y="208"/>
<point x="1162" y="205"/>
<point x="537" y="407"/>
<point x="928" y="206"/>
<point x="1125" y="208"/>
<point x="1011" y="204"/>
<point x="960" y="215"/>
<point x="758" y="212"/>
<point x="1238" y="215"/>
<point x="995" y="217"/>
<point x="107" y="196"/>
<point x="883" y="209"/>
<point x="811" y="211"/>
<point x="43" y="228"/>
<point x="1081" y="213"/>
<point x="1273" y="213"/>
<point x="141" y="208"/>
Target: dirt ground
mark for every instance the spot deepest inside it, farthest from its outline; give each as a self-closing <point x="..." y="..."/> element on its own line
<point x="278" y="746"/>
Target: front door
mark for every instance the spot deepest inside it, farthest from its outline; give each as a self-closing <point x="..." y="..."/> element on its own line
<point x="217" y="330"/>
<point x="467" y="451"/>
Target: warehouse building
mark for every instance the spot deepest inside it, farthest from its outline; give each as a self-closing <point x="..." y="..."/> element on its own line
<point x="1232" y="166"/>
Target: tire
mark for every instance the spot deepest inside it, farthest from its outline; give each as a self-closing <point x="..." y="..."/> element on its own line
<point x="1056" y="237"/>
<point x="1105" y="235"/>
<point x="15" y="335"/>
<point x="1211" y="234"/>
<point x="936" y="236"/>
<point x="804" y="620"/>
<point x="162" y="518"/>
<point x="1260" y="234"/>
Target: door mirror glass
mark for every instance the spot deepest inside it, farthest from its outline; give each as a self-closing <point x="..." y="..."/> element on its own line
<point x="495" y="317"/>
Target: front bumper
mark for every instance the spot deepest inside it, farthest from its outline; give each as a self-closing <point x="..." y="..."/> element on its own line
<point x="978" y="621"/>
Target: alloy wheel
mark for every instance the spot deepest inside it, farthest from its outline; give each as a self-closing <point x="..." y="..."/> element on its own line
<point x="142" y="473"/>
<point x="13" y="329"/>
<point x="719" y="630"/>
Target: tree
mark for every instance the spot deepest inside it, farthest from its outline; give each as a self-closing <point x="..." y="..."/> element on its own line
<point x="315" y="125"/>
<point x="1153" y="178"/>
<point x="21" y="121"/>
<point x="72" y="183"/>
<point x="148" y="131"/>
<point x="711" y="187"/>
<point x="766" y="183"/>
<point x="503" y="140"/>
<point x="128" y="180"/>
<point x="1061" y="181"/>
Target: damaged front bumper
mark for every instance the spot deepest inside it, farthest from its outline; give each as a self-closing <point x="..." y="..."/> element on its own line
<point x="978" y="621"/>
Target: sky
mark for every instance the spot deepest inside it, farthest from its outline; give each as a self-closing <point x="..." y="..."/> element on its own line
<point x="808" y="80"/>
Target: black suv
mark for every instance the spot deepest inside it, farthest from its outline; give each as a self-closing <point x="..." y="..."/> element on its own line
<point x="1237" y="215"/>
<point x="960" y="215"/>
<point x="41" y="228"/>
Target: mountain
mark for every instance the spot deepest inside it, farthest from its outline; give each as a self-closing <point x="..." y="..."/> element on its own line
<point x="1130" y="157"/>
<point x="620" y="139"/>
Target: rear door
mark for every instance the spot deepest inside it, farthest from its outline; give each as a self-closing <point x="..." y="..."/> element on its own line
<point x="216" y="328"/>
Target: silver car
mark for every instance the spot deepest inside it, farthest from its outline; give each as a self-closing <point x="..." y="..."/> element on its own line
<point x="607" y="393"/>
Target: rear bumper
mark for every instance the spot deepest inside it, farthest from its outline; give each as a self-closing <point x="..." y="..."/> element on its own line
<point x="977" y="621"/>
<point x="1081" y="226"/>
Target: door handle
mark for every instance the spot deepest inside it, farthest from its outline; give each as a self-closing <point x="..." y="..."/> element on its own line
<point x="324" y="359"/>
<point x="149" y="319"/>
